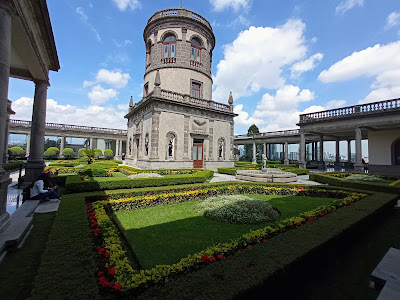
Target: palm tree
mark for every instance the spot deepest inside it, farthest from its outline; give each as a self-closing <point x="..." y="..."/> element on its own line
<point x="90" y="154"/>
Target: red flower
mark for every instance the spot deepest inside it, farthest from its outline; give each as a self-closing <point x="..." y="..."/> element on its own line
<point x="322" y="214"/>
<point x="107" y="254"/>
<point x="211" y="258"/>
<point x="100" y="273"/>
<point x="220" y="256"/>
<point x="111" y="271"/>
<point x="131" y="196"/>
<point x="117" y="286"/>
<point x="101" y="250"/>
<point x="301" y="188"/>
<point x="204" y="258"/>
<point x="298" y="223"/>
<point x="263" y="240"/>
<point x="240" y="251"/>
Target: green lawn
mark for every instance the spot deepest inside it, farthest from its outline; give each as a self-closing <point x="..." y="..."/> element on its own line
<point x="19" y="268"/>
<point x="166" y="234"/>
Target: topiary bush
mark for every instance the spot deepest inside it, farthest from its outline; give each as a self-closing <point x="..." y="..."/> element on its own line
<point x="16" y="152"/>
<point x="51" y="153"/>
<point x="237" y="209"/>
<point x="108" y="153"/>
<point x="68" y="153"/>
<point x="97" y="153"/>
<point x="81" y="152"/>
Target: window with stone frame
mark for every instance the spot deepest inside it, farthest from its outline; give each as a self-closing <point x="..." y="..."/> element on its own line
<point x="195" y="89"/>
<point x="195" y="52"/>
<point x="169" y="46"/>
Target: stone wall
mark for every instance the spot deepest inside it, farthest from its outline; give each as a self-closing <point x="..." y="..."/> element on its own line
<point x="380" y="146"/>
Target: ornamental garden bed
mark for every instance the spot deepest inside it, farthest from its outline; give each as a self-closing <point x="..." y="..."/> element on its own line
<point x="359" y="181"/>
<point x="161" y="228"/>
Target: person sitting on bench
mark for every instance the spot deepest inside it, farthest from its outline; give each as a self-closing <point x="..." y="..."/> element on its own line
<point x="38" y="193"/>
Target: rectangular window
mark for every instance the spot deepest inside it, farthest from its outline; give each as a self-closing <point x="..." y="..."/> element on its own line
<point x="192" y="54"/>
<point x="166" y="50"/>
<point x="200" y="154"/>
<point x="198" y="55"/>
<point x="194" y="152"/>
<point x="172" y="50"/>
<point x="196" y="87"/>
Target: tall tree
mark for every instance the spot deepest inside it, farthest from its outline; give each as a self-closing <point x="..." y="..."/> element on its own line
<point x="248" y="149"/>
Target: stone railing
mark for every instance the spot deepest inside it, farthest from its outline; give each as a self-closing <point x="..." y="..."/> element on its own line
<point x="290" y="132"/>
<point x="352" y="111"/>
<point x="78" y="128"/>
<point x="179" y="12"/>
<point x="195" y="63"/>
<point x="196" y="101"/>
<point x="168" y="60"/>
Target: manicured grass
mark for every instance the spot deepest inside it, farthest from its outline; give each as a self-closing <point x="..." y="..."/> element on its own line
<point x="19" y="268"/>
<point x="119" y="175"/>
<point x="166" y="234"/>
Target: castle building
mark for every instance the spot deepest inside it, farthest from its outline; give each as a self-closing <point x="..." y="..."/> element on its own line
<point x="176" y="124"/>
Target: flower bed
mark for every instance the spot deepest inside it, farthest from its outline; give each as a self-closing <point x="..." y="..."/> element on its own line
<point x="106" y="234"/>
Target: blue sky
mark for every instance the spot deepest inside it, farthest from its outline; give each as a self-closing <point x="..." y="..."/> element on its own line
<point x="279" y="58"/>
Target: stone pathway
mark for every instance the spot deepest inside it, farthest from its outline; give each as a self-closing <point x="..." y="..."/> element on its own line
<point x="301" y="179"/>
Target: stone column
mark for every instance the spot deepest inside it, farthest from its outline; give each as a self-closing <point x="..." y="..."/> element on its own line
<point x="35" y="165"/>
<point x="28" y="143"/>
<point x="62" y="145"/>
<point x="265" y="149"/>
<point x="337" y="157"/>
<point x="117" y="150"/>
<point x="5" y="51"/>
<point x="312" y="152"/>
<point x="6" y="136"/>
<point x="286" y="151"/>
<point x="302" y="150"/>
<point x="321" y="162"/>
<point x="155" y="132"/>
<point x="270" y="151"/>
<point x="316" y="151"/>
<point x="91" y="143"/>
<point x="254" y="161"/>
<point x="348" y="152"/>
<point x="358" y="165"/>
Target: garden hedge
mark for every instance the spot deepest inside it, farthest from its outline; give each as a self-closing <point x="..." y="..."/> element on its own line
<point x="369" y="186"/>
<point x="117" y="183"/>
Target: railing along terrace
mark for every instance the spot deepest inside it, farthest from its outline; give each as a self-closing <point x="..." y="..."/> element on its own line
<point x="269" y="134"/>
<point x="173" y="12"/>
<point x="362" y="109"/>
<point x="27" y="124"/>
<point x="192" y="100"/>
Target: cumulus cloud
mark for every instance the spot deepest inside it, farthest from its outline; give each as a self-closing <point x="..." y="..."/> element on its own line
<point x="85" y="20"/>
<point x="335" y="104"/>
<point x="259" y="55"/>
<point x="379" y="61"/>
<point x="235" y="4"/>
<point x="243" y="117"/>
<point x="99" y="95"/>
<point x="346" y="5"/>
<point x="124" y="4"/>
<point x="87" y="83"/>
<point x="116" y="79"/>
<point x="392" y="20"/>
<point x="306" y="65"/>
<point x="93" y="115"/>
<point x="280" y="111"/>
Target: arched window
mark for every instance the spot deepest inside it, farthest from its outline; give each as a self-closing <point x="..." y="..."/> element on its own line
<point x="169" y="45"/>
<point x="396" y="152"/>
<point x="195" y="53"/>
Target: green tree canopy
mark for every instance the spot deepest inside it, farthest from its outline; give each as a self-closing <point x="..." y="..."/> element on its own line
<point x="253" y="129"/>
<point x="81" y="152"/>
<point x="16" y="152"/>
<point x="97" y="153"/>
<point x="108" y="153"/>
<point x="68" y="153"/>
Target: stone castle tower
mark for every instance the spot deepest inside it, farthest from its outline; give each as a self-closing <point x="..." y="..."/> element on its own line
<point x="176" y="124"/>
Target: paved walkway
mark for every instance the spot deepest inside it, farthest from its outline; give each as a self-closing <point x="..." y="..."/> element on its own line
<point x="301" y="179"/>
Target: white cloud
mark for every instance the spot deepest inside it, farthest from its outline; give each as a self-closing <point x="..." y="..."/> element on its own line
<point x="99" y="95"/>
<point x="306" y="65"/>
<point x="346" y="5"/>
<point x="124" y="4"/>
<point x="87" y="83"/>
<point x="243" y="117"/>
<point x="235" y="4"/>
<point x="116" y="79"/>
<point x="123" y="107"/>
<point x="258" y="55"/>
<point x="379" y="61"/>
<point x="280" y="111"/>
<point x="335" y="104"/>
<point x="392" y="20"/>
<point x="85" y="20"/>
<point x="122" y="43"/>
<point x="93" y="115"/>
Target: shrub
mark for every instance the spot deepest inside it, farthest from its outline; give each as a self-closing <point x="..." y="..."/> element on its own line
<point x="237" y="209"/>
<point x="68" y="153"/>
<point x="97" y="153"/>
<point x="12" y="165"/>
<point x="51" y="153"/>
<point x="16" y="152"/>
<point x="81" y="152"/>
<point x="108" y="153"/>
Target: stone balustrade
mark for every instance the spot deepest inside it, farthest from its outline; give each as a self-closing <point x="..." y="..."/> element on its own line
<point x="353" y="111"/>
<point x="290" y="132"/>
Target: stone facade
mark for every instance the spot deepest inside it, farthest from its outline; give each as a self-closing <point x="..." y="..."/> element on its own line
<point x="172" y="126"/>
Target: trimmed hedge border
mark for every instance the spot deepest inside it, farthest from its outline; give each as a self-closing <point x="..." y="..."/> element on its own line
<point x="117" y="183"/>
<point x="370" y="186"/>
<point x="287" y="168"/>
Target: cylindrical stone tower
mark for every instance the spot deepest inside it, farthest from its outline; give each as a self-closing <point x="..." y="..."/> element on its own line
<point x="179" y="44"/>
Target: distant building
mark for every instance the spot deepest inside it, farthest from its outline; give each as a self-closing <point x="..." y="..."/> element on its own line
<point x="176" y="124"/>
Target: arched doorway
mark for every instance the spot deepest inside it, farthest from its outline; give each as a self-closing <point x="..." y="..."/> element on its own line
<point x="396" y="153"/>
